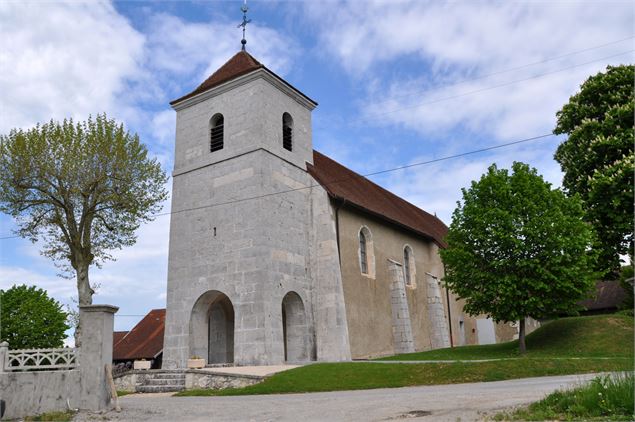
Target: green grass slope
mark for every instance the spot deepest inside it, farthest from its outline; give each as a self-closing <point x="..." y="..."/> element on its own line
<point x="566" y="346"/>
<point x="589" y="336"/>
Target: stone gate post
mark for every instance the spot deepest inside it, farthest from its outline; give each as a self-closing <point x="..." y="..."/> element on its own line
<point x="4" y="350"/>
<point x="95" y="352"/>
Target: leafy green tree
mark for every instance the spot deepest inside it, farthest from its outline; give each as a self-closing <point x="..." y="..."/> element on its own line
<point x="30" y="319"/>
<point x="598" y="160"/>
<point x="84" y="188"/>
<point x="517" y="248"/>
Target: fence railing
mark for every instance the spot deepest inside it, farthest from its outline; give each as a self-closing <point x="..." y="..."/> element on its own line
<point x="39" y="359"/>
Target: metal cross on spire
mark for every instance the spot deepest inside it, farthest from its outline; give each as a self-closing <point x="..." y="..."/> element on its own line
<point x="244" y="23"/>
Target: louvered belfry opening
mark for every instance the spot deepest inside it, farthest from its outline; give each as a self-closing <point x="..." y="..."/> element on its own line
<point x="216" y="133"/>
<point x="287" y="132"/>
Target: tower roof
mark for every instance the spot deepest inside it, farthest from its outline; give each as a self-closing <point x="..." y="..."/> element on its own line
<point x="240" y="64"/>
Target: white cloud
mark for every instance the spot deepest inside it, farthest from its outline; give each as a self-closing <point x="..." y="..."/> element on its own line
<point x="58" y="288"/>
<point x="61" y="60"/>
<point x="446" y="43"/>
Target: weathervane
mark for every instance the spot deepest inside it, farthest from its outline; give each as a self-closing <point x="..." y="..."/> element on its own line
<point x="244" y="9"/>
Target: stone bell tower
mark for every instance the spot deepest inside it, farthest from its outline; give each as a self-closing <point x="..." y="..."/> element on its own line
<point x="253" y="273"/>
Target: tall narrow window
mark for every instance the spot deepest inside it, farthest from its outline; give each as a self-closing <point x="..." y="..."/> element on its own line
<point x="409" y="267"/>
<point x="287" y="131"/>
<point x="406" y="265"/>
<point x="363" y="257"/>
<point x="216" y="134"/>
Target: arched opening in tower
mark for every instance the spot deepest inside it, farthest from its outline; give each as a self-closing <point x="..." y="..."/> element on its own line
<point x="294" y="329"/>
<point x="212" y="328"/>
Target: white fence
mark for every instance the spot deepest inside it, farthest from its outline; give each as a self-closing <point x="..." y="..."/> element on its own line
<point x="41" y="359"/>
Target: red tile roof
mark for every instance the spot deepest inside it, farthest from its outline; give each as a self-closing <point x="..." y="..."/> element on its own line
<point x="117" y="336"/>
<point x="145" y="340"/>
<point x="356" y="190"/>
<point x="240" y="64"/>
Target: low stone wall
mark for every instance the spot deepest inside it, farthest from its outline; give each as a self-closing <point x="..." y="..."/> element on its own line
<point x="194" y="378"/>
<point x="36" y="392"/>
<point x="218" y="381"/>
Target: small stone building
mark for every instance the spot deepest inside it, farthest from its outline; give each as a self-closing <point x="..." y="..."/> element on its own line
<point x="280" y="254"/>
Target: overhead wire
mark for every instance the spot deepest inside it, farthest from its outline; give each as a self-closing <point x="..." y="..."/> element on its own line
<point x="356" y="176"/>
<point x="426" y="103"/>
<point x="500" y="72"/>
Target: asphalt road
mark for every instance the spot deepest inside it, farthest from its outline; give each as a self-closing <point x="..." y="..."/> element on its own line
<point x="456" y="402"/>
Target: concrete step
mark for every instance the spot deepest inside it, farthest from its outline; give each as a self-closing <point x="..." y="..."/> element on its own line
<point x="159" y="388"/>
<point x="167" y="376"/>
<point x="161" y="381"/>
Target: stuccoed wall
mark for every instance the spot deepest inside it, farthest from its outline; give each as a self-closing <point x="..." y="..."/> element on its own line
<point x="33" y="393"/>
<point x="368" y="299"/>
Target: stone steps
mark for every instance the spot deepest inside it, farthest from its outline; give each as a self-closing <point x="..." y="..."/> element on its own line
<point x="159" y="388"/>
<point x="162" y="382"/>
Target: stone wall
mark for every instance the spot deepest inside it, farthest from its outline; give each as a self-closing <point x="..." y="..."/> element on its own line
<point x="133" y="381"/>
<point x="218" y="381"/>
<point x="33" y="393"/>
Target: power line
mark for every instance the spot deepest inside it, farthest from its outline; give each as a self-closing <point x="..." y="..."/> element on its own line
<point x="452" y="97"/>
<point x="499" y="72"/>
<point x="356" y="176"/>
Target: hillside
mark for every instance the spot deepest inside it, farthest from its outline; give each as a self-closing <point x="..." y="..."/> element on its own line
<point x="588" y="336"/>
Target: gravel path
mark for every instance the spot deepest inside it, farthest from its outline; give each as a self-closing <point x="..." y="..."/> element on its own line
<point x="456" y="402"/>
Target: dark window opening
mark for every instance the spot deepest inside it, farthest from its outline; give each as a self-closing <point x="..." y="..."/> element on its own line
<point x="216" y="133"/>
<point x="362" y="253"/>
<point x="406" y="265"/>
<point x="287" y="132"/>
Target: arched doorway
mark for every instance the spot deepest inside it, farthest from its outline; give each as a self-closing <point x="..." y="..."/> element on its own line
<point x="212" y="328"/>
<point x="220" y="347"/>
<point x="294" y="329"/>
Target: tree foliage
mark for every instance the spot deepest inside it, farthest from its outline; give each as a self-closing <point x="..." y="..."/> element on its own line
<point x="84" y="188"/>
<point x="517" y="248"/>
<point x="598" y="160"/>
<point x="30" y="319"/>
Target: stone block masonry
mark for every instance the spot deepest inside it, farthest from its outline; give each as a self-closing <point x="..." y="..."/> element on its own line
<point x="247" y="280"/>
<point x="401" y="324"/>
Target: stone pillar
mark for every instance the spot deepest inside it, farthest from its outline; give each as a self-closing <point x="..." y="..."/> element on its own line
<point x="4" y="351"/>
<point x="401" y="324"/>
<point x="439" y="331"/>
<point x="95" y="352"/>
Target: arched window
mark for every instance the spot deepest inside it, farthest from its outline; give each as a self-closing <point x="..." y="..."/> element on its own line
<point x="363" y="257"/>
<point x="287" y="131"/>
<point x="366" y="253"/>
<point x="409" y="270"/>
<point x="216" y="132"/>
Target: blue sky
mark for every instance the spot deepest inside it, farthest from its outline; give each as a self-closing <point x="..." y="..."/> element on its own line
<point x="397" y="83"/>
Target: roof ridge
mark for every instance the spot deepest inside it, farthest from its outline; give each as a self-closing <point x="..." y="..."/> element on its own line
<point x="376" y="185"/>
<point x="361" y="192"/>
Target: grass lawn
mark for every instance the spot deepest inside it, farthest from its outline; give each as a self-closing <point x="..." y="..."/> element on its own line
<point x="590" y="336"/>
<point x="604" y="342"/>
<point x="63" y="416"/>
<point x="121" y="393"/>
<point x="366" y="375"/>
<point x="604" y="398"/>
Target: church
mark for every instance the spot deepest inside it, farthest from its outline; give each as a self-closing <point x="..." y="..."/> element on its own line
<point x="280" y="254"/>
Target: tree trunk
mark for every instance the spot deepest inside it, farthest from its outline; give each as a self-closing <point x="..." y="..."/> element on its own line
<point x="85" y="293"/>
<point x="521" y="336"/>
